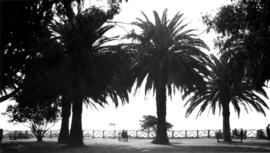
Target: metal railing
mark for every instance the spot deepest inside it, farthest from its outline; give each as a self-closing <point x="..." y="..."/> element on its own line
<point x="173" y="134"/>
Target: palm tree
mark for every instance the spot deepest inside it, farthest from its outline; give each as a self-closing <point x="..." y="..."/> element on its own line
<point x="78" y="49"/>
<point x="168" y="57"/>
<point x="91" y="70"/>
<point x="227" y="85"/>
<point x="77" y="66"/>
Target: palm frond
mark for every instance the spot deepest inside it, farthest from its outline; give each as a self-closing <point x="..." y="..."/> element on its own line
<point x="227" y="84"/>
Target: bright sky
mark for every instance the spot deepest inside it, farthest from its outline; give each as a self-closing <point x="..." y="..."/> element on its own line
<point x="128" y="115"/>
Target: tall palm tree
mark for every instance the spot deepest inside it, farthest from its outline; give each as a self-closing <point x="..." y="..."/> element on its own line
<point x="91" y="70"/>
<point x="51" y="66"/>
<point x="168" y="57"/>
<point x="227" y="85"/>
<point x="77" y="66"/>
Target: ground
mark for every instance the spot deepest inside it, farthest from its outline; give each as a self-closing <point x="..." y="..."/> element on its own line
<point x="99" y="145"/>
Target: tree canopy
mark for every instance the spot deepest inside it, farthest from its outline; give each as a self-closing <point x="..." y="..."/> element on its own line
<point x="39" y="118"/>
<point x="244" y="28"/>
<point x="25" y="37"/>
<point x="59" y="51"/>
<point x="228" y="85"/>
<point x="149" y="122"/>
<point x="22" y="32"/>
<point x="167" y="56"/>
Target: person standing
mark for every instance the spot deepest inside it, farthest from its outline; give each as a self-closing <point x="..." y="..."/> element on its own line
<point x="235" y="133"/>
<point x="241" y="135"/>
<point x="268" y="132"/>
<point x="218" y="135"/>
<point x="126" y="135"/>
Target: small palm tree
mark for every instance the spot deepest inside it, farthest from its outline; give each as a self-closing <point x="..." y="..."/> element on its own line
<point x="227" y="84"/>
<point x="168" y="57"/>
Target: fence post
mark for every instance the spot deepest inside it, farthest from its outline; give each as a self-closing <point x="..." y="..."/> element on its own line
<point x="93" y="134"/>
<point x="26" y="134"/>
<point x="103" y="136"/>
<point x="9" y="135"/>
<point x="172" y="133"/>
<point x="136" y="133"/>
<point x="20" y="134"/>
<point x="185" y="133"/>
<point x="197" y="133"/>
<point x="148" y="134"/>
<point x="50" y="134"/>
<point x="208" y="133"/>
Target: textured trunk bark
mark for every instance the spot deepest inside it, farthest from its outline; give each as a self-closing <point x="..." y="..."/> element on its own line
<point x="76" y="133"/>
<point x="1" y="61"/>
<point x="226" y="123"/>
<point x="161" y="132"/>
<point x="1" y="48"/>
<point x="64" y="131"/>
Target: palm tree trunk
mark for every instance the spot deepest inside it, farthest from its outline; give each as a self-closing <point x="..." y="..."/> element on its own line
<point x="1" y="50"/>
<point x="76" y="133"/>
<point x="64" y="131"/>
<point x="1" y="64"/>
<point x="226" y="123"/>
<point x="161" y="132"/>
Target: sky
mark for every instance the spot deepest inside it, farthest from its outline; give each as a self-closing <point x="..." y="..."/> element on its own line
<point x="127" y="116"/>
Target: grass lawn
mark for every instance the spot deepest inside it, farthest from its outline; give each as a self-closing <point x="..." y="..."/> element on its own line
<point x="100" y="145"/>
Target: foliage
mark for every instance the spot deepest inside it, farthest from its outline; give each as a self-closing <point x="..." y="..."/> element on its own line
<point x="149" y="122"/>
<point x="90" y="70"/>
<point x="245" y="35"/>
<point x="167" y="47"/>
<point x="40" y="66"/>
<point x="243" y="40"/>
<point x="72" y="40"/>
<point x="25" y="38"/>
<point x="38" y="118"/>
<point x="168" y="56"/>
<point x="22" y="30"/>
<point x="94" y="68"/>
<point x="227" y="85"/>
<point x="229" y="82"/>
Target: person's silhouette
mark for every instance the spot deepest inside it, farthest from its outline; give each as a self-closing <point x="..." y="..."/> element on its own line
<point x="241" y="135"/>
<point x="268" y="131"/>
<point x="235" y="133"/>
<point x="218" y="135"/>
<point x="126" y="135"/>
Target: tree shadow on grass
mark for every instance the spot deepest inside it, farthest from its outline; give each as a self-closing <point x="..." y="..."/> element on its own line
<point x="217" y="149"/>
<point x="178" y="147"/>
<point x="28" y="146"/>
<point x="54" y="147"/>
<point x="256" y="143"/>
<point x="235" y="146"/>
<point x="267" y="144"/>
